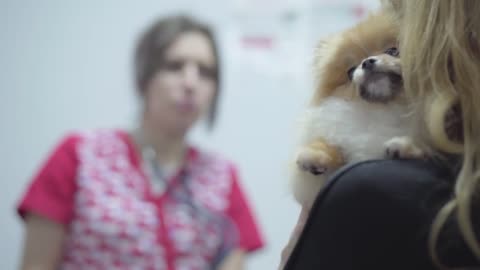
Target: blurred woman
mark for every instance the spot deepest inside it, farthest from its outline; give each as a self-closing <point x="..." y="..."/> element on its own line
<point x="146" y="199"/>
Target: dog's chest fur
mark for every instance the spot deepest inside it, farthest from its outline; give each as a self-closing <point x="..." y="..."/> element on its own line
<point x="359" y="128"/>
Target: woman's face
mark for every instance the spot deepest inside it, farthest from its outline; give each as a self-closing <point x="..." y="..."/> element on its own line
<point x="182" y="90"/>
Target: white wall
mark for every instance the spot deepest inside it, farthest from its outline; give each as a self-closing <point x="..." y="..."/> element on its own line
<point x="66" y="65"/>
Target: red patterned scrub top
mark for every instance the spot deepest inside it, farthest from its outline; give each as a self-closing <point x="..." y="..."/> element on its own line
<point x="94" y="183"/>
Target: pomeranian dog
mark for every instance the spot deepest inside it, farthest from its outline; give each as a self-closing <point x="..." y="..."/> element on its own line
<point x="358" y="110"/>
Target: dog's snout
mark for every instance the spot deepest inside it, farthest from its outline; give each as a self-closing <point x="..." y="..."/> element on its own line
<point x="369" y="63"/>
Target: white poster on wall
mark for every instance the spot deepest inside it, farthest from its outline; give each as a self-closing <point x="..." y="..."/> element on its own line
<point x="275" y="38"/>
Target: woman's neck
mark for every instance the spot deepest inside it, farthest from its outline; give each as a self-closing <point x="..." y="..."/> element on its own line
<point x="170" y="149"/>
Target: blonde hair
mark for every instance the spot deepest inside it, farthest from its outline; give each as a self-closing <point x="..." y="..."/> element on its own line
<point x="440" y="56"/>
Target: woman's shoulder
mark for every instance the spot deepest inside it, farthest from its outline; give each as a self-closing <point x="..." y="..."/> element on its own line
<point x="74" y="136"/>
<point x="406" y="190"/>
<point x="398" y="177"/>
<point x="74" y="142"/>
<point x="380" y="208"/>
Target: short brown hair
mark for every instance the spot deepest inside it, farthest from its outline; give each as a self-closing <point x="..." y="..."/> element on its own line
<point x="153" y="43"/>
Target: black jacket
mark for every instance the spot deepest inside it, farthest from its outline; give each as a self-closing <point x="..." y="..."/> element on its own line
<point x="377" y="215"/>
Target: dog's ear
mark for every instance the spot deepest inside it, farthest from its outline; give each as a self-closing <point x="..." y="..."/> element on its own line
<point x="320" y="50"/>
<point x="324" y="50"/>
<point x="394" y="5"/>
<point x="321" y="44"/>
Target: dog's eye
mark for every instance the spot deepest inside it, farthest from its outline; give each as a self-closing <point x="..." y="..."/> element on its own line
<point x="392" y="51"/>
<point x="350" y="73"/>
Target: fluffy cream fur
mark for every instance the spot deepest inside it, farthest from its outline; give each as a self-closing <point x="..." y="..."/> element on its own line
<point x="360" y="129"/>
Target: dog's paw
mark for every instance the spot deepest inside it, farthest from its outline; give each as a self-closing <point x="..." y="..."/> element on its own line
<point x="316" y="162"/>
<point x="403" y="148"/>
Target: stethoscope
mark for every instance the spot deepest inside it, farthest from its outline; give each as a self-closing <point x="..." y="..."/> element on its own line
<point x="158" y="179"/>
<point x="160" y="182"/>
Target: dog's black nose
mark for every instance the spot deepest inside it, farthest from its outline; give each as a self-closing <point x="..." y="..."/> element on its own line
<point x="368" y="63"/>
